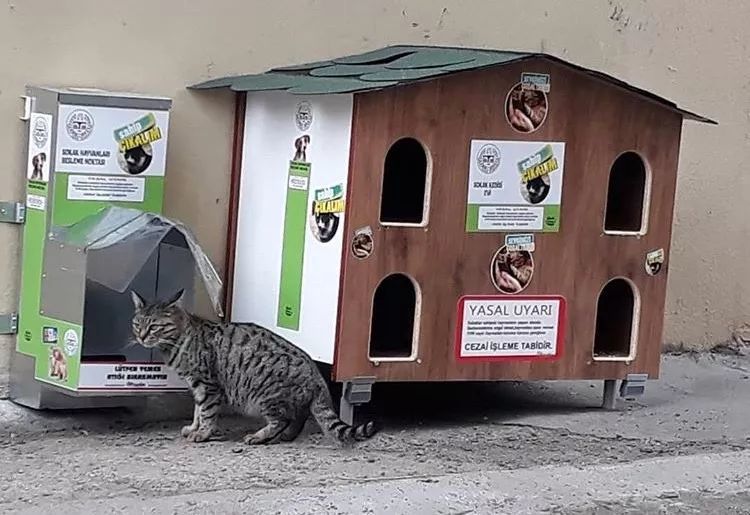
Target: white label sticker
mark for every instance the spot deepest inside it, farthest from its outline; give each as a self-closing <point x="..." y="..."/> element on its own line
<point x="106" y="187"/>
<point x="129" y="376"/>
<point x="298" y="183"/>
<point x="519" y="242"/>
<point x="36" y="202"/>
<point x="502" y="327"/>
<point x="510" y="218"/>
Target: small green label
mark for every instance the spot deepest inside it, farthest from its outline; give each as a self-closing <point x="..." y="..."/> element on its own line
<point x="472" y="218"/>
<point x="551" y="221"/>
<point x="293" y="246"/>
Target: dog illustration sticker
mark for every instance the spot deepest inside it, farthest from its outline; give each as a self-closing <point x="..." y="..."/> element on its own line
<point x="40" y="144"/>
<point x="327" y="206"/>
<point x="526" y="103"/>
<point x="300" y="148"/>
<point x="511" y="270"/>
<point x="58" y="364"/>
<point x="362" y="243"/>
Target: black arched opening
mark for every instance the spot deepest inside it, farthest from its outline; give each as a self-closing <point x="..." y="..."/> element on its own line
<point x="626" y="194"/>
<point x="404" y="183"/>
<point x="394" y="313"/>
<point x="615" y="312"/>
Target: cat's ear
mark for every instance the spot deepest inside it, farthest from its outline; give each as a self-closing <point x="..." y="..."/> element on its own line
<point x="177" y="299"/>
<point x="138" y="301"/>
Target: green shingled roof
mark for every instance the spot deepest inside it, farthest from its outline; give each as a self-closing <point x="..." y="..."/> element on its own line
<point x="397" y="65"/>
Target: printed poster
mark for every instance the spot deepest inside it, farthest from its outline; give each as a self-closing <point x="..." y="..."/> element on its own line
<point x="107" y="153"/>
<point x="515" y="186"/>
<point x="494" y="328"/>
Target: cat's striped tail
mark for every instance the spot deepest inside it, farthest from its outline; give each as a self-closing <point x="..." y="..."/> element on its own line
<point x="330" y="423"/>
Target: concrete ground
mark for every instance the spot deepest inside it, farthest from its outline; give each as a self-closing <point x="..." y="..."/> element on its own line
<point x="444" y="449"/>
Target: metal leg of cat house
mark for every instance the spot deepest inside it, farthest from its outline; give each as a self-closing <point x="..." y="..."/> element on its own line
<point x="610" y="397"/>
<point x="634" y="385"/>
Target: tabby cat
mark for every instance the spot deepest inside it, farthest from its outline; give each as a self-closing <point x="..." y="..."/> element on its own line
<point x="244" y="366"/>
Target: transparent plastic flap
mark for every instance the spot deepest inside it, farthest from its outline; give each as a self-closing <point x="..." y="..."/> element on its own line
<point x="129" y="237"/>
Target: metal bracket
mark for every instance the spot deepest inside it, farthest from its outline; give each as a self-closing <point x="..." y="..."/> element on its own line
<point x="634" y="385"/>
<point x="12" y="212"/>
<point x="357" y="390"/>
<point x="27" y="107"/>
<point x="8" y="323"/>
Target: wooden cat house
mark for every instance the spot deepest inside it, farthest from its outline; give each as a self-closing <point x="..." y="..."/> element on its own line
<point x="439" y="214"/>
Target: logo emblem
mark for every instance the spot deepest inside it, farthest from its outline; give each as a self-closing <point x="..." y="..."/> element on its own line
<point x="488" y="158"/>
<point x="79" y="124"/>
<point x="70" y="338"/>
<point x="304" y="116"/>
<point x="40" y="132"/>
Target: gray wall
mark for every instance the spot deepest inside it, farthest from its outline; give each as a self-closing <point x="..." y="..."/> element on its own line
<point x="692" y="52"/>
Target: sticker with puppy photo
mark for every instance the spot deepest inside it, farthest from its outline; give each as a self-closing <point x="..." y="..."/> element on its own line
<point x="511" y="270"/>
<point x="526" y="103"/>
<point x="40" y="145"/>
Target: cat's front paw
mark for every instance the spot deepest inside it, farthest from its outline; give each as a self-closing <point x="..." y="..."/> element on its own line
<point x="252" y="439"/>
<point x="188" y="430"/>
<point x="199" y="436"/>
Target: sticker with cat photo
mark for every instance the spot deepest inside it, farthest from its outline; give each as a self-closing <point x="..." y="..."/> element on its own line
<point x="134" y="140"/>
<point x="327" y="207"/>
<point x="535" y="170"/>
<point x="362" y="243"/>
<point x="526" y="104"/>
<point x="58" y="364"/>
<point x="511" y="270"/>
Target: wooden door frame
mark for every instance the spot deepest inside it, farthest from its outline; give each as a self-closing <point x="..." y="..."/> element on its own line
<point x="238" y="140"/>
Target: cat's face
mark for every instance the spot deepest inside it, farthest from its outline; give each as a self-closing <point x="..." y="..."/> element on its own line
<point x="159" y="323"/>
<point x="324" y="221"/>
<point x="135" y="157"/>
